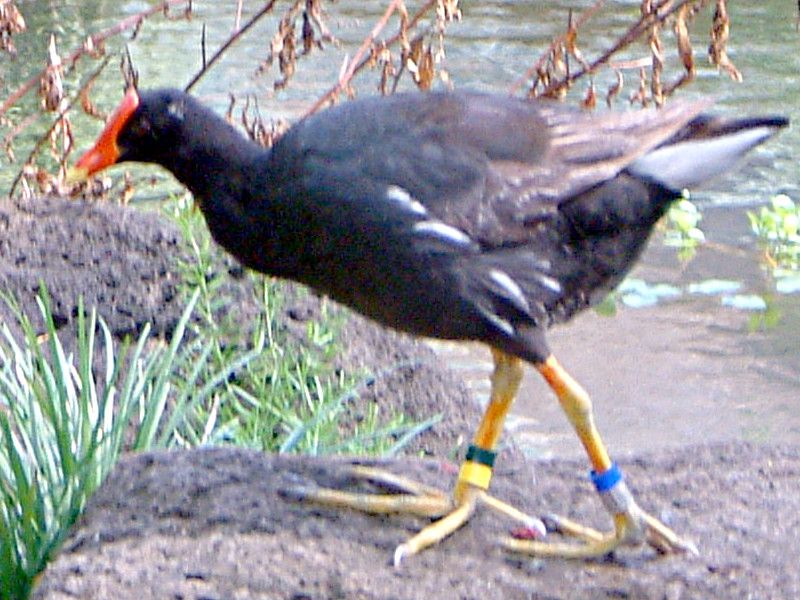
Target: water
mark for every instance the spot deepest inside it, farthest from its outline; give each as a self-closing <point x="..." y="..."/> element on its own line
<point x="683" y="371"/>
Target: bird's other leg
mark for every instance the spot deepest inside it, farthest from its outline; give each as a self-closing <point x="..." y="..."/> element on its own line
<point x="631" y="524"/>
<point x="476" y="470"/>
<point x="417" y="499"/>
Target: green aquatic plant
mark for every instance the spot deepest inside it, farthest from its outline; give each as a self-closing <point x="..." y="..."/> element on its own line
<point x="778" y="228"/>
<point x="682" y="231"/>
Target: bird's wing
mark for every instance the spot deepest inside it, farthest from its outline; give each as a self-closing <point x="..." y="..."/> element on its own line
<point x="581" y="150"/>
<point x="485" y="165"/>
<point x="586" y="148"/>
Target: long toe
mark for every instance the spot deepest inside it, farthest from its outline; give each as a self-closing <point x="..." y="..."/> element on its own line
<point x="406" y="496"/>
<point x="412" y="498"/>
<point x="663" y="539"/>
<point x="632" y="528"/>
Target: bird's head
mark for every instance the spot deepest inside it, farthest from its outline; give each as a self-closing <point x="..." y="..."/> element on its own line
<point x="145" y="128"/>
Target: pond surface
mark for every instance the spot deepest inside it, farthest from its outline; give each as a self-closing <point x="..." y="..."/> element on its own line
<point x="687" y="369"/>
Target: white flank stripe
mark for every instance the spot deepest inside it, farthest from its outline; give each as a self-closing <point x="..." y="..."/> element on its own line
<point x="443" y="231"/>
<point x="502" y="279"/>
<point x="549" y="282"/>
<point x="499" y="322"/>
<point x="402" y="197"/>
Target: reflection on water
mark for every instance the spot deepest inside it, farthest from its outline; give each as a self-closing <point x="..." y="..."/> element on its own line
<point x="684" y="370"/>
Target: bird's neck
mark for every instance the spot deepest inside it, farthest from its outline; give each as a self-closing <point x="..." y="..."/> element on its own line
<point x="221" y="167"/>
<point x="216" y="159"/>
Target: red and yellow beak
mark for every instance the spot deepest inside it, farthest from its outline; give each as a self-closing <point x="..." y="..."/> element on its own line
<point x="105" y="152"/>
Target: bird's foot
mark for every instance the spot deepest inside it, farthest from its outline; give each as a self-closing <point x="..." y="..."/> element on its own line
<point x="410" y="497"/>
<point x="632" y="526"/>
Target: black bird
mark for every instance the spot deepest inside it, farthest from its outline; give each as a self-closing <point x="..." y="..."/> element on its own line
<point x="452" y="215"/>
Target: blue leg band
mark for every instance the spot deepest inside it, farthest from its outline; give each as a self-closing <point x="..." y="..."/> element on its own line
<point x="606" y="480"/>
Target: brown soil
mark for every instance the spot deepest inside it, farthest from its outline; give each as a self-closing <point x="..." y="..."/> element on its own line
<point x="211" y="523"/>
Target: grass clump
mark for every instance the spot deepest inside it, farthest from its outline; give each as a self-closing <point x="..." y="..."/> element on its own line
<point x="64" y="420"/>
<point x="63" y="427"/>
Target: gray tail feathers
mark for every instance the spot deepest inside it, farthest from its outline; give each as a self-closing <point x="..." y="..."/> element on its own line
<point x="704" y="148"/>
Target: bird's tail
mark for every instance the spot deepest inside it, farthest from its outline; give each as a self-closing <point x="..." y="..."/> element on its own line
<point x="704" y="148"/>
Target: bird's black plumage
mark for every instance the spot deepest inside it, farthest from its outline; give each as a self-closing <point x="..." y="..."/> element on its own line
<point x="451" y="215"/>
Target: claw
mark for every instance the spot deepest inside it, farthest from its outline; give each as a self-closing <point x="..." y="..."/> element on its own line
<point x="689" y="547"/>
<point x="552" y="522"/>
<point x="399" y="554"/>
<point x="664" y="539"/>
<point x="535" y="531"/>
<point x="297" y="493"/>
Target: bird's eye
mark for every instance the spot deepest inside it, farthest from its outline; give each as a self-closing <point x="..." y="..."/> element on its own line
<point x="176" y="109"/>
<point x="140" y="128"/>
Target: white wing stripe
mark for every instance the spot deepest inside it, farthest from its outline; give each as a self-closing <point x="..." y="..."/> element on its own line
<point x="404" y="199"/>
<point x="502" y="279"/>
<point x="443" y="231"/>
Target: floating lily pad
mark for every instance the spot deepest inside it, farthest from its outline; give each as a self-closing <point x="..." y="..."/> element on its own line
<point x="637" y="293"/>
<point x="745" y="302"/>
<point x="788" y="285"/>
<point x="638" y="300"/>
<point x="712" y="287"/>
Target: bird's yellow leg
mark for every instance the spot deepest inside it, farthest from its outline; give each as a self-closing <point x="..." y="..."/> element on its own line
<point x="505" y="384"/>
<point x="417" y="499"/>
<point x="476" y="471"/>
<point x="631" y="524"/>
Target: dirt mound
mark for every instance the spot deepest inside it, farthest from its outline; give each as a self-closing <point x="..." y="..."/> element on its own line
<point x="210" y="523"/>
<point x="120" y="260"/>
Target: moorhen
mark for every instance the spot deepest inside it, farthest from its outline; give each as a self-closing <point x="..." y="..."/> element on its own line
<point x="452" y="215"/>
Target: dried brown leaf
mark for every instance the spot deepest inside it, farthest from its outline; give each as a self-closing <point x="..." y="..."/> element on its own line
<point x="315" y="13"/>
<point x="128" y="189"/>
<point x="425" y="70"/>
<point x="229" y="111"/>
<point x="283" y="36"/>
<point x="447" y="10"/>
<point x="309" y="42"/>
<point x="88" y="106"/>
<point x="571" y="43"/>
<point x="684" y="42"/>
<point x="51" y="85"/>
<point x="388" y="71"/>
<point x="558" y="60"/>
<point x="287" y="57"/>
<point x="640" y="95"/>
<point x="11" y="22"/>
<point x="590" y="98"/>
<point x="718" y="49"/>
<point x="656" y="53"/>
<point x="615" y="89"/>
<point x="129" y="72"/>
